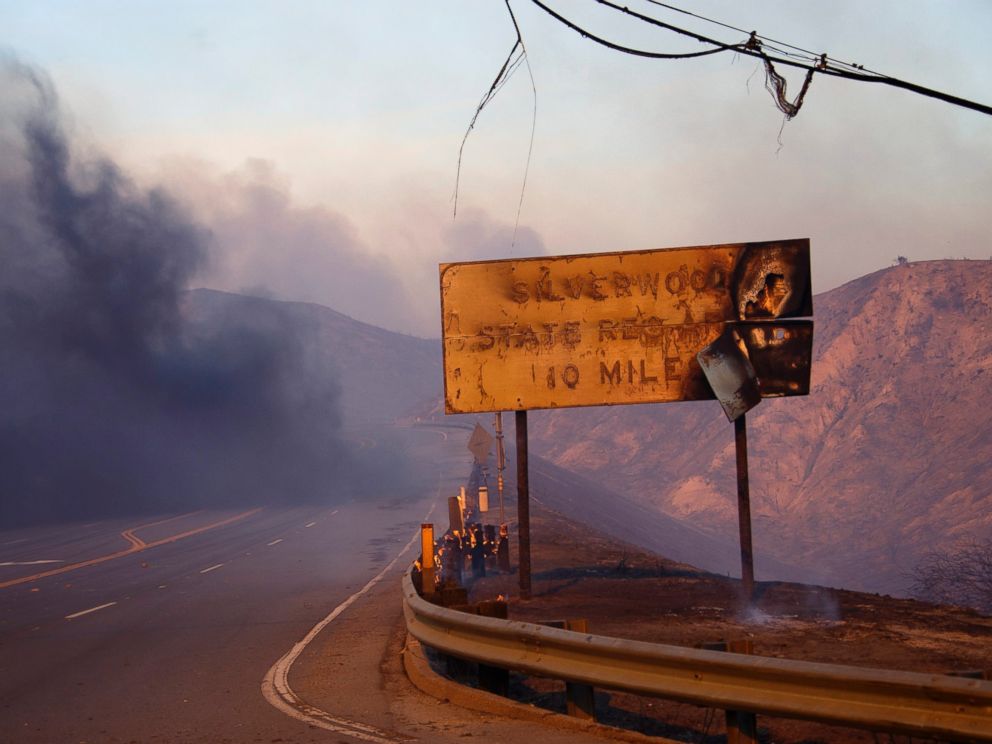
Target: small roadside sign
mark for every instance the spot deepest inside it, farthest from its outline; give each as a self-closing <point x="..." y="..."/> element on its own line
<point x="480" y="444"/>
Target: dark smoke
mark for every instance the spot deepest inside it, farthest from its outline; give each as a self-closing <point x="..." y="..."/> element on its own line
<point x="114" y="398"/>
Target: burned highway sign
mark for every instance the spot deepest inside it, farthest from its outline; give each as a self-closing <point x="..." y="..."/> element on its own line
<point x="612" y="328"/>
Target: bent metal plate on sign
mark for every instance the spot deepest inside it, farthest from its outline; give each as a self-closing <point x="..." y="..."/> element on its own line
<point x="612" y="328"/>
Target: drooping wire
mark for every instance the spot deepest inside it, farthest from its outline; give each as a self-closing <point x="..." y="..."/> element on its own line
<point x="824" y="66"/>
<point x="720" y="47"/>
<point x="775" y="84"/>
<point x="510" y="65"/>
<point x="516" y="57"/>
<point x="768" y="42"/>
<point x="755" y="46"/>
<point x="533" y="124"/>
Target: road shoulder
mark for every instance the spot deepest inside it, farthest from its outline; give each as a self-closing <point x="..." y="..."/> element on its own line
<point x="354" y="670"/>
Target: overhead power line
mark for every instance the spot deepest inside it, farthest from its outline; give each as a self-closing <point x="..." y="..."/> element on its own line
<point x="630" y="50"/>
<point x="758" y="46"/>
<point x="768" y="42"/>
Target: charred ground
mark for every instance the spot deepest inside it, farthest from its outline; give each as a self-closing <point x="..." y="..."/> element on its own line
<point x="630" y="593"/>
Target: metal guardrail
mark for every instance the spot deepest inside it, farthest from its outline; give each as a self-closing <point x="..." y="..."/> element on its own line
<point x="932" y="705"/>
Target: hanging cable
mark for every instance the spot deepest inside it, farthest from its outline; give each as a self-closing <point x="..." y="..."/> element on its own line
<point x="768" y="42"/>
<point x="510" y="65"/>
<point x="628" y="50"/>
<point x="775" y="84"/>
<point x="533" y="124"/>
<point x="822" y="65"/>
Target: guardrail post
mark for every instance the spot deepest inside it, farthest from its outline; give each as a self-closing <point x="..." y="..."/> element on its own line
<point x="451" y="561"/>
<point x="580" y="699"/>
<point x="742" y="726"/>
<point x="494" y="679"/>
<point x="503" y="549"/>
<point x="478" y="551"/>
<point x="456" y="523"/>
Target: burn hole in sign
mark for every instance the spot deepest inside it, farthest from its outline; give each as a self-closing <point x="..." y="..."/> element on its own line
<point x="769" y="298"/>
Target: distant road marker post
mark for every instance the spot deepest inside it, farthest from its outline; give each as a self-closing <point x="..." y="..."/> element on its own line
<point x="657" y="326"/>
<point x="427" y="572"/>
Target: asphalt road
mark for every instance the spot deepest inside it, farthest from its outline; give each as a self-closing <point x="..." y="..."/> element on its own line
<point x="166" y="630"/>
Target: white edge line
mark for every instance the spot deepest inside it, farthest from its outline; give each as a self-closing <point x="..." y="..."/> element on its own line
<point x="212" y="568"/>
<point x="275" y="685"/>
<point x="29" y="563"/>
<point x="74" y="615"/>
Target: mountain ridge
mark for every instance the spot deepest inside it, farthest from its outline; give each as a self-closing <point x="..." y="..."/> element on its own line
<point x="382" y="374"/>
<point x="887" y="458"/>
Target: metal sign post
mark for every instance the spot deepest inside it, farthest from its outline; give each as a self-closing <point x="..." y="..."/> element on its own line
<point x="500" y="464"/>
<point x="523" y="504"/>
<point x="728" y="369"/>
<point x="732" y="377"/>
<point x="744" y="506"/>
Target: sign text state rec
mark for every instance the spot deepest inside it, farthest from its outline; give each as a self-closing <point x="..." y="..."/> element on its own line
<point x="612" y="328"/>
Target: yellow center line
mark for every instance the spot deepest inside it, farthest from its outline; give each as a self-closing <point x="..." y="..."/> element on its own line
<point x="137" y="545"/>
<point x="136" y="542"/>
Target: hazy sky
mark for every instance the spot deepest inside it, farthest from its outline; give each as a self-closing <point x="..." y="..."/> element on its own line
<point x="318" y="141"/>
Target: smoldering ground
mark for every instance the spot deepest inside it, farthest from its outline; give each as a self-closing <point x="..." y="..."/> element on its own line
<point x="113" y="397"/>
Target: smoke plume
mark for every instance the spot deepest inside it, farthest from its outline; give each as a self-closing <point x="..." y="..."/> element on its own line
<point x="266" y="244"/>
<point x="113" y="398"/>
